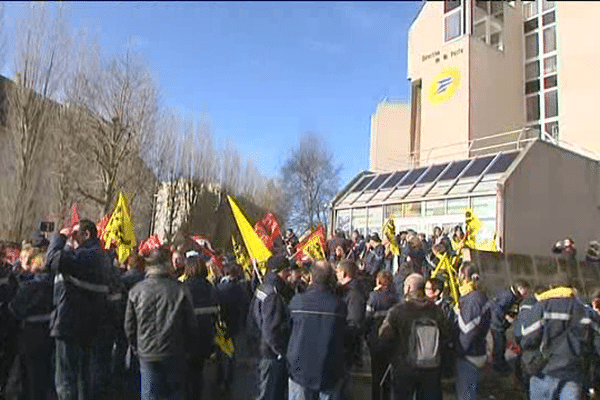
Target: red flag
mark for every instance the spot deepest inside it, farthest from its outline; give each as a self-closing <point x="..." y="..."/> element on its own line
<point x="148" y="245"/>
<point x="100" y="226"/>
<point x="12" y="254"/>
<point x="268" y="229"/>
<point x="203" y="245"/>
<point x="313" y="246"/>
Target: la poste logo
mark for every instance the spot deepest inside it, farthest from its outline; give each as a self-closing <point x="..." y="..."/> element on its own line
<point x="444" y="85"/>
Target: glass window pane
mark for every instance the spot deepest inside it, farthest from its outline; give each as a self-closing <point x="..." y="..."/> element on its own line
<point x="549" y="39"/>
<point x="532" y="70"/>
<point x="547" y="5"/>
<point x="412" y="209"/>
<point x="363" y="183"/>
<point x="530" y="25"/>
<point x="529" y="9"/>
<point x="437" y="207"/>
<point x="550" y="82"/>
<point x="552" y="129"/>
<point x="551" y="104"/>
<point x="479" y="31"/>
<point x="343" y="221"/>
<point x="458" y="206"/>
<point x="378" y="181"/>
<point x="450" y="5"/>
<point x="497" y="6"/>
<point x="533" y="108"/>
<point x="359" y="219"/>
<point x="496" y="41"/>
<point x="548" y="18"/>
<point x="502" y="163"/>
<point x="414" y="175"/>
<point x="393" y="210"/>
<point x="398" y="175"/>
<point x="483" y="5"/>
<point x="532" y="86"/>
<point x="550" y="65"/>
<point x="375" y="219"/>
<point x="478" y="166"/>
<point x="433" y="173"/>
<point x="484" y="207"/>
<point x="452" y="25"/>
<point x="531" y="45"/>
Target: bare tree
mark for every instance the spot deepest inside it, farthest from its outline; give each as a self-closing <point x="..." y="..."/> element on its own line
<point x="42" y="50"/>
<point x="310" y="180"/>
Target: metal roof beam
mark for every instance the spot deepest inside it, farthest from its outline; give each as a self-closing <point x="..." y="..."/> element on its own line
<point x="416" y="182"/>
<point x="365" y="188"/>
<point x="436" y="180"/>
<point x="460" y="176"/>
<point x="480" y="178"/>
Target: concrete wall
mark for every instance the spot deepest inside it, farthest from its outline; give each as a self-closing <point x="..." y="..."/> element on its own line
<point x="578" y="59"/>
<point x="496" y="84"/>
<point x="551" y="194"/>
<point x="390" y="137"/>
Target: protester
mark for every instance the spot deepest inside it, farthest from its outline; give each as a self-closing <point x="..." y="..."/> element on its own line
<point x="349" y="289"/>
<point x="160" y="324"/>
<point x="271" y="317"/>
<point x="504" y="309"/>
<point x="82" y="309"/>
<point x="434" y="291"/>
<point x="358" y="247"/>
<point x="381" y="299"/>
<point x="415" y="332"/>
<point x="32" y="306"/>
<point x="337" y="247"/>
<point x="457" y="238"/>
<point x="204" y="299"/>
<point x="474" y="323"/>
<point x="317" y="360"/>
<point x="374" y="260"/>
<point x="564" y="331"/>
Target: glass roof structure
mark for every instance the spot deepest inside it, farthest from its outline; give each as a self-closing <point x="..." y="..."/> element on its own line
<point x="476" y="176"/>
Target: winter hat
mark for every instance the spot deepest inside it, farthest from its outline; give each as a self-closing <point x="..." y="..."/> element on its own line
<point x="278" y="263"/>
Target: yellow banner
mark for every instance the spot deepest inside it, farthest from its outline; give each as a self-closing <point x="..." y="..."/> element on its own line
<point x="120" y="229"/>
<point x="257" y="250"/>
<point x="241" y="258"/>
<point x="389" y="231"/>
<point x="473" y="226"/>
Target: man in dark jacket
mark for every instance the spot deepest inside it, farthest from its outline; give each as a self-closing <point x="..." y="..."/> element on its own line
<point x="8" y="325"/>
<point x="397" y="330"/>
<point x="315" y="373"/>
<point x="160" y="323"/>
<point x="32" y="306"/>
<point x="375" y="257"/>
<point x="332" y="245"/>
<point x="564" y="330"/>
<point x="504" y="309"/>
<point x="81" y="307"/>
<point x="271" y="318"/>
<point x="352" y="293"/>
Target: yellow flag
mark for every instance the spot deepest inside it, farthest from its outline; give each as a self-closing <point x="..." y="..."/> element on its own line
<point x="241" y="258"/>
<point x="120" y="229"/>
<point x="389" y="230"/>
<point x="257" y="250"/>
<point x="473" y="228"/>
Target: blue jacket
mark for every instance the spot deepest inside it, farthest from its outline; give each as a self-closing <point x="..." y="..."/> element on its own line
<point x="32" y="306"/>
<point x="81" y="289"/>
<point x="234" y="304"/>
<point x="271" y="318"/>
<point x="473" y="323"/>
<point x="505" y="300"/>
<point x="204" y="299"/>
<point x="374" y="261"/>
<point x="525" y="317"/>
<point x="377" y="306"/>
<point x="316" y="349"/>
<point x="561" y="321"/>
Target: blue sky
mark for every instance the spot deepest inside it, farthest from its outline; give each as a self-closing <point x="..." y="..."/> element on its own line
<point x="266" y="71"/>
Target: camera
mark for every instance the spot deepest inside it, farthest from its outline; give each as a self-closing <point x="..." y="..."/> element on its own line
<point x="46" y="226"/>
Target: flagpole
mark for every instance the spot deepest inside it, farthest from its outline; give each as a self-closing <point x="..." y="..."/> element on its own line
<point x="258" y="274"/>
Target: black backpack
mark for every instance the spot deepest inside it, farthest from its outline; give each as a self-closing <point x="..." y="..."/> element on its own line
<point x="424" y="344"/>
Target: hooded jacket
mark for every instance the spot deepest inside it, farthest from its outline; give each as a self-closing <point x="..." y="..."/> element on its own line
<point x="473" y="321"/>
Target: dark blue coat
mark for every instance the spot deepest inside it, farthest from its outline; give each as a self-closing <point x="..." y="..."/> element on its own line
<point x="505" y="301"/>
<point x="569" y="330"/>
<point x="525" y="316"/>
<point x="271" y="317"/>
<point x="377" y="306"/>
<point x="81" y="289"/>
<point x="32" y="305"/>
<point x="474" y="323"/>
<point x="233" y="300"/>
<point x="204" y="299"/>
<point x="374" y="261"/>
<point x="316" y="350"/>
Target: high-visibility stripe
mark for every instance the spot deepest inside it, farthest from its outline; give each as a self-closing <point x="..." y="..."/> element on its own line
<point x="466" y="328"/>
<point x="591" y="323"/>
<point x="4" y="281"/>
<point x="115" y="297"/>
<point x="369" y="308"/>
<point x="261" y="295"/>
<point x="328" y="314"/>
<point x="557" y="316"/>
<point x="206" y="310"/>
<point x="531" y="328"/>
<point x="92" y="287"/>
<point x="526" y="307"/>
<point x="38" y="318"/>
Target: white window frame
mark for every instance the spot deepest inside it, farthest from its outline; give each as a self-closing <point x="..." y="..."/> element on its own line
<point x="458" y="10"/>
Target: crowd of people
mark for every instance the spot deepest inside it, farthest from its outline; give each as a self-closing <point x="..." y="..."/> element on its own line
<point x="77" y="324"/>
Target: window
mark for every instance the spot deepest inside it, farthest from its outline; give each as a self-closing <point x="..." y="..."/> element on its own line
<point x="532" y="70"/>
<point x="437" y="207"/>
<point x="479" y="31"/>
<point x="450" y="5"/>
<point x="530" y="25"/>
<point x="552" y="129"/>
<point x="530" y="9"/>
<point x="497" y="7"/>
<point x="496" y="41"/>
<point x="532" y="86"/>
<point x="375" y="219"/>
<point x="484" y="207"/>
<point x="531" y="46"/>
<point x="550" y="82"/>
<point x="452" y="25"/>
<point x="533" y="108"/>
<point x="458" y="206"/>
<point x="394" y="210"/>
<point x="548" y="18"/>
<point x="547" y="5"/>
<point x="412" y="209"/>
<point x="549" y="39"/>
<point x="551" y="104"/>
<point x="550" y="65"/>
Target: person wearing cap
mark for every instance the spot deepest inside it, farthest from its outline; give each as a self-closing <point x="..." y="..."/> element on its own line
<point x="376" y="256"/>
<point x="160" y="323"/>
<point x="270" y="317"/>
